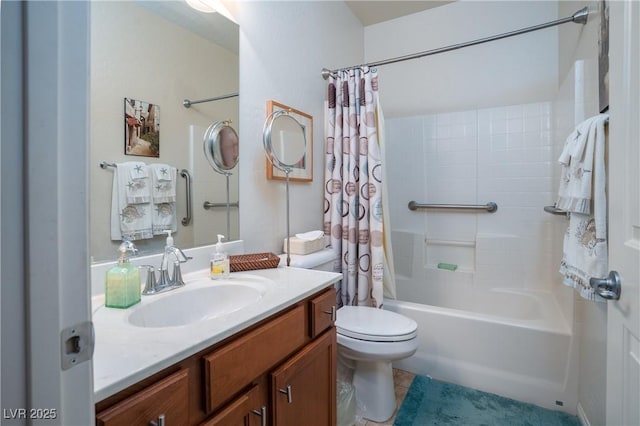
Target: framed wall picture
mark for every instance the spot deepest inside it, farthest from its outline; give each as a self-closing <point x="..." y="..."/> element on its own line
<point x="141" y="128"/>
<point x="303" y="170"/>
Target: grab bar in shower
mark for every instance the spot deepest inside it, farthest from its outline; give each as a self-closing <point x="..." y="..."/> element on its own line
<point x="209" y="205"/>
<point x="554" y="210"/>
<point x="490" y="207"/>
<point x="185" y="174"/>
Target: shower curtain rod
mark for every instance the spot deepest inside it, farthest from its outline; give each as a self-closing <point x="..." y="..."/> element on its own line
<point x="187" y="103"/>
<point x="580" y="17"/>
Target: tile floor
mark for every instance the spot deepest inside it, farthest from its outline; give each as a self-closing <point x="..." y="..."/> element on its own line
<point x="402" y="380"/>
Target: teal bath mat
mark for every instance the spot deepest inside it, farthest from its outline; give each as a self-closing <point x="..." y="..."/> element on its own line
<point x="430" y="402"/>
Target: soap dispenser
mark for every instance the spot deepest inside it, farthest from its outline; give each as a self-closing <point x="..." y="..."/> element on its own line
<point x="122" y="284"/>
<point x="219" y="262"/>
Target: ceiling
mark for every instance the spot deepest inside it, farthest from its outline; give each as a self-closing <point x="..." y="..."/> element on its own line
<point x="211" y="26"/>
<point x="220" y="30"/>
<point x="374" y="12"/>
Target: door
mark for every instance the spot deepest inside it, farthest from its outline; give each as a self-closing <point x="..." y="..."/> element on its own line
<point x="56" y="213"/>
<point x="303" y="389"/>
<point x="623" y="315"/>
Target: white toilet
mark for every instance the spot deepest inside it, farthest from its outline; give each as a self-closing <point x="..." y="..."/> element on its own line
<point x="369" y="339"/>
<point x="373" y="338"/>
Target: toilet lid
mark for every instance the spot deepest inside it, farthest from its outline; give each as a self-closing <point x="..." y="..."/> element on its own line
<point x="376" y="325"/>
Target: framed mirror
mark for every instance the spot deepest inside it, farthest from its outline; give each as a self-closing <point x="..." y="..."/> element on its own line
<point x="285" y="144"/>
<point x="291" y="139"/>
<point x="162" y="51"/>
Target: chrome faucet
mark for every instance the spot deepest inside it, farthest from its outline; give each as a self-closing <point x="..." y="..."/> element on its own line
<point x="165" y="282"/>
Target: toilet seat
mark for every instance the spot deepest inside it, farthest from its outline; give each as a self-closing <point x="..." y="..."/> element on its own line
<point x="374" y="325"/>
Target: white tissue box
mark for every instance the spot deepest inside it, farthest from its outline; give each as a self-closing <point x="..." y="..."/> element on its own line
<point x="300" y="246"/>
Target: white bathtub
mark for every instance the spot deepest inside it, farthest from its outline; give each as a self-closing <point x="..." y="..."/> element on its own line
<point x="511" y="342"/>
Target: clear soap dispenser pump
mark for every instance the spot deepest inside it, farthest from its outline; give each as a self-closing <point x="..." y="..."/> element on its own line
<point x="122" y="284"/>
<point x="219" y="262"/>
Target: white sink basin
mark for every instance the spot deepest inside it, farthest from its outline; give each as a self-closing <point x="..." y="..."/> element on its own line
<point x="195" y="303"/>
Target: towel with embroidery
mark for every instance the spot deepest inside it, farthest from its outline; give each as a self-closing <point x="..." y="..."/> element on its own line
<point x="585" y="242"/>
<point x="129" y="221"/>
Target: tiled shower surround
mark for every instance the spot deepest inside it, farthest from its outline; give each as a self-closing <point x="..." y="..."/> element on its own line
<point x="501" y="154"/>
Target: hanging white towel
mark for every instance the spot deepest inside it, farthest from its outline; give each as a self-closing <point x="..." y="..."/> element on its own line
<point x="575" y="191"/>
<point x="164" y="183"/>
<point x="163" y="179"/>
<point x="128" y="221"/>
<point x="138" y="188"/>
<point x="164" y="218"/>
<point x="585" y="242"/>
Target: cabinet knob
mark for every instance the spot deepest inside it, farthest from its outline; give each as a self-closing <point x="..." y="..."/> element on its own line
<point x="263" y="414"/>
<point x="160" y="421"/>
<point x="332" y="312"/>
<point x="287" y="392"/>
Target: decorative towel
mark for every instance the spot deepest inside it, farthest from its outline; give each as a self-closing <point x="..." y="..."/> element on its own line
<point x="128" y="221"/>
<point x="163" y="179"/>
<point x="164" y="183"/>
<point x="138" y="188"/>
<point x="575" y="192"/>
<point x="164" y="218"/>
<point x="585" y="242"/>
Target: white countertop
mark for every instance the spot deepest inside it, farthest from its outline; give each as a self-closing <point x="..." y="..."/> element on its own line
<point x="125" y="354"/>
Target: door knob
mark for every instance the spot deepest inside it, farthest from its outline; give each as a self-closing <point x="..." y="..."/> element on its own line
<point x="607" y="288"/>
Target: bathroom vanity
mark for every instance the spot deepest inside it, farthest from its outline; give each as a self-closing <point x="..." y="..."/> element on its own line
<point x="272" y="362"/>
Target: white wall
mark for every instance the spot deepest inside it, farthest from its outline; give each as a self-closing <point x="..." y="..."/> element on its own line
<point x="512" y="71"/>
<point x="283" y="48"/>
<point x="576" y="101"/>
<point x="499" y="154"/>
<point x="137" y="54"/>
<point x="476" y="127"/>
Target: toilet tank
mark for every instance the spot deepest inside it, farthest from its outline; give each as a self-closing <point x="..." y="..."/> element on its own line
<point x="320" y="261"/>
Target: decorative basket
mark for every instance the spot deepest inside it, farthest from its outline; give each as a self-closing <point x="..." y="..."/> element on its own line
<point x="250" y="262"/>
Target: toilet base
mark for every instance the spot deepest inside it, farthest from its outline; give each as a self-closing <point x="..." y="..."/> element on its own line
<point x="375" y="392"/>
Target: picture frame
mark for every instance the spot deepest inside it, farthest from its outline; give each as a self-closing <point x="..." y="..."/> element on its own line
<point x="303" y="171"/>
<point x="141" y="128"/>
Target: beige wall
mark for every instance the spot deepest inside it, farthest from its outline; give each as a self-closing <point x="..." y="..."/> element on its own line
<point x="138" y="55"/>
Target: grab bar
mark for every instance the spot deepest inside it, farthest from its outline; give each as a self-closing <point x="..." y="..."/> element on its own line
<point x="490" y="207"/>
<point x="554" y="210"/>
<point x="207" y="205"/>
<point x="185" y="174"/>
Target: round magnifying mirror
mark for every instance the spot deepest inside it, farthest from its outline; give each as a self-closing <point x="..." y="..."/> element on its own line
<point x="221" y="146"/>
<point x="284" y="140"/>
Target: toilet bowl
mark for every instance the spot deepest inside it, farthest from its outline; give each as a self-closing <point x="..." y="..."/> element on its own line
<point x="369" y="340"/>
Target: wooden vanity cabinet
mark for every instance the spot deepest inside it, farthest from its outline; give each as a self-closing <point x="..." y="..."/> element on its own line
<point x="165" y="402"/>
<point x="279" y="372"/>
<point x="303" y="389"/>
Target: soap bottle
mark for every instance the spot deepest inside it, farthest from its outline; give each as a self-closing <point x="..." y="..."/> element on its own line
<point x="122" y="284"/>
<point x="219" y="262"/>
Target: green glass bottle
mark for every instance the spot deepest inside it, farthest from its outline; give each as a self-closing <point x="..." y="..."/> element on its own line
<point x="122" y="283"/>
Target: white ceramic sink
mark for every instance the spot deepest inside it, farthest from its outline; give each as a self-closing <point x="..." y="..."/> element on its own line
<point x="195" y="302"/>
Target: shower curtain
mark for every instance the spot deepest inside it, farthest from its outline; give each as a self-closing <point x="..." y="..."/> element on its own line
<point x="353" y="210"/>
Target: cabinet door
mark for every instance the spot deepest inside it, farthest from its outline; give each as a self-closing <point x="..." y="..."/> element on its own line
<point x="231" y="368"/>
<point x="167" y="399"/>
<point x="303" y="389"/>
<point x="323" y="312"/>
<point x="249" y="409"/>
